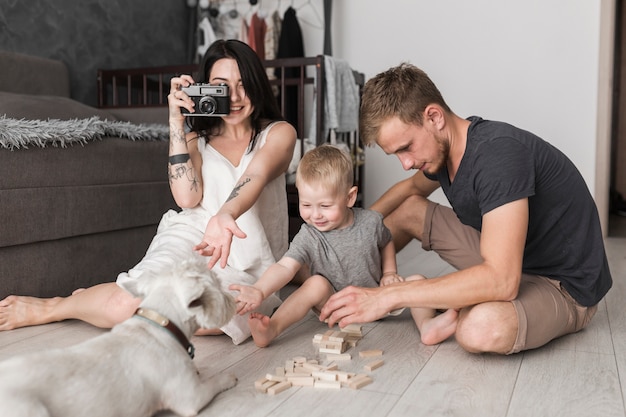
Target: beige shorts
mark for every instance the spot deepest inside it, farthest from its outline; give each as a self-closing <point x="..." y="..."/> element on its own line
<point x="544" y="309"/>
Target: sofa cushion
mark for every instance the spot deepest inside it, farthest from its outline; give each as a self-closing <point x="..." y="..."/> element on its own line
<point x="26" y="106"/>
<point x="25" y="74"/>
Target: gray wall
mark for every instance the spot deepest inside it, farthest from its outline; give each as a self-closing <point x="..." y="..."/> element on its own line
<point x="92" y="34"/>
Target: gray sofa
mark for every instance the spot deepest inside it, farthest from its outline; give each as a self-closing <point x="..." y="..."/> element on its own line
<point x="78" y="215"/>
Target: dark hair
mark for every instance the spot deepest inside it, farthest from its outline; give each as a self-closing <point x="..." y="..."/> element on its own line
<point x="255" y="83"/>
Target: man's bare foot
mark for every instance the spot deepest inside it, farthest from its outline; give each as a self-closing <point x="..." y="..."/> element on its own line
<point x="19" y="311"/>
<point x="262" y="333"/>
<point x="439" y="328"/>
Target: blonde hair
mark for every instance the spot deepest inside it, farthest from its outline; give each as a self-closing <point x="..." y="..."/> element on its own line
<point x="328" y="166"/>
<point x="404" y="92"/>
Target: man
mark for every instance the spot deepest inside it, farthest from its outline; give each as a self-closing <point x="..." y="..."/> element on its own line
<point x="523" y="230"/>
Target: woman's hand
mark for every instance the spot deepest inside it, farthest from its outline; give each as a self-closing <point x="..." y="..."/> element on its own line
<point x="249" y="298"/>
<point x="218" y="238"/>
<point x="178" y="99"/>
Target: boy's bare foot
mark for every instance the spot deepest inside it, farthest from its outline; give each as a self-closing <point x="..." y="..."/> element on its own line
<point x="262" y="333"/>
<point x="19" y="311"/>
<point x="439" y="328"/>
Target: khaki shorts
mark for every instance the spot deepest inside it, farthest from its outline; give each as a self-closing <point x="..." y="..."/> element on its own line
<point x="544" y="309"/>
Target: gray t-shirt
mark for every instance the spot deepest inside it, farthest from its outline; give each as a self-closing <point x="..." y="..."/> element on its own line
<point x="349" y="256"/>
<point x="502" y="164"/>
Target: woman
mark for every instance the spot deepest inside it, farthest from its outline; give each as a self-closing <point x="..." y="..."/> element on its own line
<point x="227" y="175"/>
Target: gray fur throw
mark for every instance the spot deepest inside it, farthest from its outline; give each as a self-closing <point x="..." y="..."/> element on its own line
<point x="22" y="133"/>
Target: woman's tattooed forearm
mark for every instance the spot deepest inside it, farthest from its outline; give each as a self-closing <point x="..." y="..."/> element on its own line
<point x="177" y="135"/>
<point x="179" y="171"/>
<point x="235" y="191"/>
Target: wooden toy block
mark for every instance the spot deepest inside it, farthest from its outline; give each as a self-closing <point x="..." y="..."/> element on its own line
<point x="352" y="329"/>
<point x="344" y="376"/>
<point x="278" y="388"/>
<point x="359" y="381"/>
<point x="263" y="384"/>
<point x="324" y="376"/>
<point x="327" y="384"/>
<point x="311" y="366"/>
<point x="374" y="365"/>
<point x="337" y="336"/>
<point x="301" y="370"/>
<point x="370" y="353"/>
<point x="352" y="340"/>
<point x="299" y="359"/>
<point x="301" y="381"/>
<point x="331" y="367"/>
<point x="275" y="378"/>
<point x="331" y="350"/>
<point x="280" y="371"/>
<point x="289" y="364"/>
<point x="338" y="357"/>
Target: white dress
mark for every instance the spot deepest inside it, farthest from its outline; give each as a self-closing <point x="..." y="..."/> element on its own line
<point x="265" y="224"/>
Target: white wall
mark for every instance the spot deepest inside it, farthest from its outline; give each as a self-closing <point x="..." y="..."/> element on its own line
<point x="532" y="63"/>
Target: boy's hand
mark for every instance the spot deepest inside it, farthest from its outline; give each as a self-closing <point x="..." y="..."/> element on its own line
<point x="249" y="298"/>
<point x="390" y="278"/>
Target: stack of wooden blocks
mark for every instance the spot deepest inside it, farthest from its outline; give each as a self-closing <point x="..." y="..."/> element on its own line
<point x="301" y="371"/>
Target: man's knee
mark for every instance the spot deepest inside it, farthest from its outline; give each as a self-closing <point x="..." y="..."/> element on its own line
<point x="488" y="327"/>
<point x="406" y="222"/>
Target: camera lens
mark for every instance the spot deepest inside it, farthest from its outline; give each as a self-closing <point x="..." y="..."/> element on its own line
<point x="207" y="105"/>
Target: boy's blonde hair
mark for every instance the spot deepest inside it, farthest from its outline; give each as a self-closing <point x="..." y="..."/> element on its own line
<point x="328" y="166"/>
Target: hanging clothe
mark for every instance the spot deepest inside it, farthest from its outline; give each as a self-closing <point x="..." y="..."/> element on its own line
<point x="290" y="44"/>
<point x="256" y="35"/>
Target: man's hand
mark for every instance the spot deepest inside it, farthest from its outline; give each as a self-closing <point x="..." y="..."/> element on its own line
<point x="249" y="298"/>
<point x="354" y="305"/>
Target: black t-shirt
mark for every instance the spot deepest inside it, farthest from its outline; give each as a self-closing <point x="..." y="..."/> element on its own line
<point x="502" y="164"/>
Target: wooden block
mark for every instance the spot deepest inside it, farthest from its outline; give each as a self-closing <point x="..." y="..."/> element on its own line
<point x="370" y="353"/>
<point x="331" y="366"/>
<point x="337" y="336"/>
<point x="289" y="364"/>
<point x="324" y="376"/>
<point x="344" y="376"/>
<point x="327" y="384"/>
<point x="338" y="357"/>
<point x="275" y="378"/>
<point x="299" y="359"/>
<point x="359" y="381"/>
<point x="278" y="388"/>
<point x="353" y="329"/>
<point x="331" y="350"/>
<point x="263" y="384"/>
<point x="301" y="381"/>
<point x="280" y="371"/>
<point x="312" y="366"/>
<point x="352" y="338"/>
<point x="373" y="365"/>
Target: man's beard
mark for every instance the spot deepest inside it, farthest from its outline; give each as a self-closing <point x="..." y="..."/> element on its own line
<point x="444" y="154"/>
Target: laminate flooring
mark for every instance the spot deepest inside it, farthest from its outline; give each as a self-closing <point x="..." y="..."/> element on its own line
<point x="578" y="375"/>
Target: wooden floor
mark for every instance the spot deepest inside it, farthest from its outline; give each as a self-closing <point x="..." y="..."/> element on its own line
<point x="578" y="375"/>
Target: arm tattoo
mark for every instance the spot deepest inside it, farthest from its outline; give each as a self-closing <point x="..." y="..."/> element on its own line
<point x="238" y="187"/>
<point x="176" y="135"/>
<point x="180" y="171"/>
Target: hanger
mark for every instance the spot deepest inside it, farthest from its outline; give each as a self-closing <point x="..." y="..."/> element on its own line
<point x="319" y="21"/>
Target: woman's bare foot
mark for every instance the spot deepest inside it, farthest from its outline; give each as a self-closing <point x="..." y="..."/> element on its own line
<point x="208" y="332"/>
<point x="19" y="311"/>
<point x="262" y="333"/>
<point x="439" y="328"/>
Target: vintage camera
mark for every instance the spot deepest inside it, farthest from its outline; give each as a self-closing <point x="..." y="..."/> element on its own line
<point x="210" y="100"/>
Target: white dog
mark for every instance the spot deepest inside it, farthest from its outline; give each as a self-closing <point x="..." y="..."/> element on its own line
<point x="141" y="366"/>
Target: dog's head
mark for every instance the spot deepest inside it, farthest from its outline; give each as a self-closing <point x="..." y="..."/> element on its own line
<point x="189" y="294"/>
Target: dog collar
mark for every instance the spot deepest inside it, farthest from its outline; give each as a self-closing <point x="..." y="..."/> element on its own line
<point x="164" y="322"/>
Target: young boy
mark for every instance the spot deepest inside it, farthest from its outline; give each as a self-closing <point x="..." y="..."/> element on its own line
<point x="342" y="246"/>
